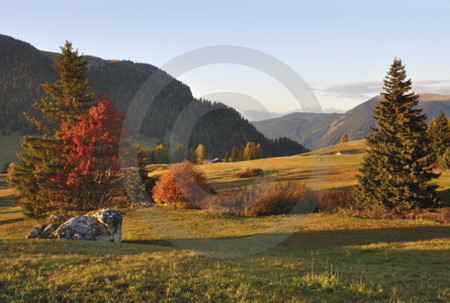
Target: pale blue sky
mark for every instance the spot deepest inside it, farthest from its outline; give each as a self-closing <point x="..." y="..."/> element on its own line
<point x="342" y="49"/>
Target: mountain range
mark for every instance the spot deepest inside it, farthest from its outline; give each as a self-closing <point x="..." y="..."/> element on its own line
<point x="23" y="69"/>
<point x="317" y="130"/>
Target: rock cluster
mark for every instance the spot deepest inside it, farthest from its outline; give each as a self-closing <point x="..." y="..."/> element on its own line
<point x="103" y="225"/>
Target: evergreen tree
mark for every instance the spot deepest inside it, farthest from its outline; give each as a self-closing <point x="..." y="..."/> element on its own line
<point x="396" y="168"/>
<point x="240" y="153"/>
<point x="259" y="151"/>
<point x="234" y="154"/>
<point x="445" y="160"/>
<point x="65" y="101"/>
<point x="439" y="133"/>
<point x="200" y="154"/>
<point x="143" y="156"/>
<point x="344" y="138"/>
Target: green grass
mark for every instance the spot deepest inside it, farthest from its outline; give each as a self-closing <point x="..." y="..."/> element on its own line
<point x="328" y="258"/>
<point x="331" y="259"/>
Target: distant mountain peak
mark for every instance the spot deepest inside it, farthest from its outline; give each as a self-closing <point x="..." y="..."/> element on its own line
<point x="321" y="130"/>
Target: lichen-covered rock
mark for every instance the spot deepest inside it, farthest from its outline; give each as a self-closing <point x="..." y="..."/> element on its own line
<point x="83" y="228"/>
<point x="49" y="231"/>
<point x="113" y="221"/>
<point x="35" y="232"/>
<point x="104" y="225"/>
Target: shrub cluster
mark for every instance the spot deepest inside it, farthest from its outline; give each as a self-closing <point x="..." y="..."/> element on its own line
<point x="382" y="212"/>
<point x="332" y="201"/>
<point x="264" y="200"/>
<point x="185" y="187"/>
<point x="435" y="214"/>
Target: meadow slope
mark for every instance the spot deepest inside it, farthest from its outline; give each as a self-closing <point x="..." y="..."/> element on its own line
<point x="329" y="258"/>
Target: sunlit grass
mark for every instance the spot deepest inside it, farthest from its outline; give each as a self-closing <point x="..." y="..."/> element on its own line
<point x="321" y="169"/>
<point x="329" y="258"/>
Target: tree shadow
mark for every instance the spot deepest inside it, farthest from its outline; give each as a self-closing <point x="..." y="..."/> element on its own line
<point x="355" y="237"/>
<point x="333" y="238"/>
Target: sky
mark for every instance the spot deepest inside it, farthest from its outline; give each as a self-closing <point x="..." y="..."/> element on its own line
<point x="341" y="49"/>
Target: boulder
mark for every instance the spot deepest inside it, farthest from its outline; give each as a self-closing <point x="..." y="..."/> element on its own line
<point x="112" y="219"/>
<point x="35" y="232"/>
<point x="49" y="231"/>
<point x="83" y="228"/>
<point x="103" y="225"/>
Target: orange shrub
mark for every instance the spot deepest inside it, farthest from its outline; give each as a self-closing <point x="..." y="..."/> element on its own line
<point x="334" y="200"/>
<point x="182" y="184"/>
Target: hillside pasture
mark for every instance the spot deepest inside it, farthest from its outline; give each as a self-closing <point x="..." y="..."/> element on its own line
<point x="328" y="258"/>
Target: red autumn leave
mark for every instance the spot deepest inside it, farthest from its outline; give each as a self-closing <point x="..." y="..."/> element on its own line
<point x="90" y="174"/>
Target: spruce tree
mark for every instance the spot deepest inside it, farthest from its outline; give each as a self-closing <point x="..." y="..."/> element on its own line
<point x="439" y="132"/>
<point x="396" y="168"/>
<point x="259" y="151"/>
<point x="445" y="160"/>
<point x="65" y="101"/>
<point x="234" y="154"/>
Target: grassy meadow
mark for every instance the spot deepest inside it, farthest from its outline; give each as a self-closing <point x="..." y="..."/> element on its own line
<point x="329" y="258"/>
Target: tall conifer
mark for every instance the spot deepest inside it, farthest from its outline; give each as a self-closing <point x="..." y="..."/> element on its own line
<point x="439" y="132"/>
<point x="66" y="100"/>
<point x="396" y="168"/>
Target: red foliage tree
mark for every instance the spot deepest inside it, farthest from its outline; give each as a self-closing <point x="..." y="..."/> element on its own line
<point x="91" y="175"/>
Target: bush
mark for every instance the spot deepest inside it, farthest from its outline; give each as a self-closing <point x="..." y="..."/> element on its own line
<point x="250" y="173"/>
<point x="376" y="211"/>
<point x="332" y="201"/>
<point x="263" y="200"/>
<point x="182" y="185"/>
<point x="435" y="214"/>
<point x="281" y="199"/>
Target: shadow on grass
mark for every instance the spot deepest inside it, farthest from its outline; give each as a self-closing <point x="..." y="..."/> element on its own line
<point x="6" y="201"/>
<point x="9" y="221"/>
<point x="307" y="240"/>
<point x="339" y="238"/>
